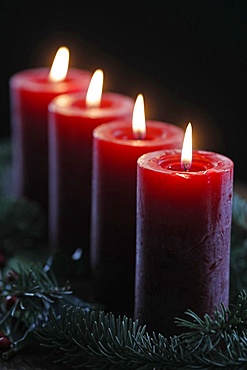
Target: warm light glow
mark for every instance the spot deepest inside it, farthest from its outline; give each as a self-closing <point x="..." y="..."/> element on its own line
<point x="138" y="119"/>
<point x="94" y="93"/>
<point x="60" y="65"/>
<point x="186" y="155"/>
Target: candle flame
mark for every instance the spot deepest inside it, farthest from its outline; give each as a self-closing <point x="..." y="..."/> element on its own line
<point x="60" y="65"/>
<point x="138" y="119"/>
<point x="94" y="92"/>
<point x="186" y="155"/>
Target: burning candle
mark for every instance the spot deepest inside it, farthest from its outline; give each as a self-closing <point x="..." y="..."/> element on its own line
<point x="116" y="148"/>
<point x="183" y="235"/>
<point x="30" y="93"/>
<point x="72" y="118"/>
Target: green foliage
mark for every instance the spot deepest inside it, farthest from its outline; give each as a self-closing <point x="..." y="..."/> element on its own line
<point x="33" y="290"/>
<point x="85" y="339"/>
<point x="34" y="293"/>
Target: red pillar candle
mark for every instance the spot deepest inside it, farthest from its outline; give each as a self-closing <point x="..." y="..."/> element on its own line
<point x="71" y="124"/>
<point x="115" y="154"/>
<point x="183" y="236"/>
<point x="30" y="93"/>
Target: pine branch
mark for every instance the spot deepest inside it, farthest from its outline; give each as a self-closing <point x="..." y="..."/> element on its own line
<point x="26" y="298"/>
<point x="221" y="338"/>
<point x="86" y="339"/>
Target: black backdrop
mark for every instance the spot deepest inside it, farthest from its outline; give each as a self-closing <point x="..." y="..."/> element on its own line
<point x="187" y="57"/>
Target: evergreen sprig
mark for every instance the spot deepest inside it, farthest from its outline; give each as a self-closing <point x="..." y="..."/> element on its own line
<point x="26" y="298"/>
<point x="86" y="339"/>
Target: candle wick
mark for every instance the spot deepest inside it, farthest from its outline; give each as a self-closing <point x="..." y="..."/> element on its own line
<point x="186" y="166"/>
<point x="139" y="135"/>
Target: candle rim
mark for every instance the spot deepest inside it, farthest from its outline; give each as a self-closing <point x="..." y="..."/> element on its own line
<point x="66" y="104"/>
<point x="219" y="162"/>
<point x="36" y="79"/>
<point x="168" y="133"/>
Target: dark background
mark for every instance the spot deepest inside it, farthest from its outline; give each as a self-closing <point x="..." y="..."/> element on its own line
<point x="188" y="58"/>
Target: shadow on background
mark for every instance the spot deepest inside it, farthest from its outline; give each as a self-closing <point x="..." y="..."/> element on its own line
<point x="188" y="58"/>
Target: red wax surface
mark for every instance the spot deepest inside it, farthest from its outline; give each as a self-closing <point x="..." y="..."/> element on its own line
<point x="183" y="236"/>
<point x="71" y="125"/>
<point x="113" y="231"/>
<point x="30" y="94"/>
